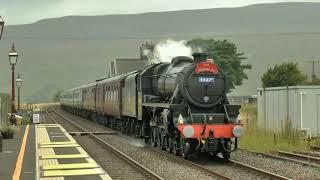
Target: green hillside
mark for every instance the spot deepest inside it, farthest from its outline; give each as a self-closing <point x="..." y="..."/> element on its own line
<point x="64" y="52"/>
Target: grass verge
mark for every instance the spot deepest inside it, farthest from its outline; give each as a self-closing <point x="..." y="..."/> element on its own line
<point x="262" y="141"/>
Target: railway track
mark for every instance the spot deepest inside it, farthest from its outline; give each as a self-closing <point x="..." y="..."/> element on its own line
<point x="189" y="163"/>
<point x="258" y="173"/>
<point x="285" y="156"/>
<point x="309" y="153"/>
<point x="239" y="167"/>
<point x="257" y="170"/>
<point x="115" y="154"/>
<point x="302" y="157"/>
<point x="185" y="162"/>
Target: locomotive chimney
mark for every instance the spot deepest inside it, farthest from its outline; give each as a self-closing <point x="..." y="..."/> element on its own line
<point x="199" y="57"/>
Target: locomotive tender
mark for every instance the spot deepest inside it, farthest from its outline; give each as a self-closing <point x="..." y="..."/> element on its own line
<point x="179" y="106"/>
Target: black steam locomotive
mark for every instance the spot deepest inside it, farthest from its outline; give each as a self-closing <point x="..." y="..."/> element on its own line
<point x="179" y="106"/>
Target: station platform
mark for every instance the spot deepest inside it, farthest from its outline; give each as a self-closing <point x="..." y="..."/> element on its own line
<point x="59" y="156"/>
<point x="16" y="161"/>
<point x="47" y="151"/>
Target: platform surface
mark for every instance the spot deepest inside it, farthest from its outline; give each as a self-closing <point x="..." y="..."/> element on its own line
<point x="59" y="156"/>
<point x="11" y="150"/>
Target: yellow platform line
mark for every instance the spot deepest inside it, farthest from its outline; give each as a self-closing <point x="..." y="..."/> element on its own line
<point x="57" y="143"/>
<point x="70" y="166"/>
<point x="59" y="146"/>
<point x="79" y="172"/>
<point x="48" y="126"/>
<point x="65" y="156"/>
<point x="19" y="162"/>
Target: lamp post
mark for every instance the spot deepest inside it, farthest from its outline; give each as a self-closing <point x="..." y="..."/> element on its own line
<point x="19" y="84"/>
<point x="1" y="26"/>
<point x="13" y="58"/>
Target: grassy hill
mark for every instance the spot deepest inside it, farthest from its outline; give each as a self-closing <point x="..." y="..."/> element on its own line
<point x="60" y="53"/>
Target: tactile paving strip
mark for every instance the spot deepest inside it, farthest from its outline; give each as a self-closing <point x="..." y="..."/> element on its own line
<point x="48" y="167"/>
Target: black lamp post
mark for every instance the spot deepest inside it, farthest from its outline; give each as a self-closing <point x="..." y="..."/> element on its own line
<point x="19" y="84"/>
<point x="1" y="26"/>
<point x="13" y="58"/>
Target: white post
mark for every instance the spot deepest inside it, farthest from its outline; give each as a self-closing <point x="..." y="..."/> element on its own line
<point x="301" y="110"/>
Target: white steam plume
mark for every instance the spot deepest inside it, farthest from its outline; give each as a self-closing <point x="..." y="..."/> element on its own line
<point x="165" y="51"/>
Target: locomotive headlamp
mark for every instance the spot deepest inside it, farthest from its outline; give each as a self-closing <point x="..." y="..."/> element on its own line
<point x="188" y="131"/>
<point x="238" y="131"/>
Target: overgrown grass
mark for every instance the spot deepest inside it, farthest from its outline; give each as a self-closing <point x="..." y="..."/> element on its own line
<point x="263" y="141"/>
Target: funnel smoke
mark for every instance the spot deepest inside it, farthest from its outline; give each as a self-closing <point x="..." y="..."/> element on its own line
<point x="165" y="51"/>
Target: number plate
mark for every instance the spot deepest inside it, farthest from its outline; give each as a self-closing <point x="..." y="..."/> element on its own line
<point x="206" y="79"/>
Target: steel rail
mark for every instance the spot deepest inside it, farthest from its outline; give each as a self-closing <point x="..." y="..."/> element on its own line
<point x="267" y="173"/>
<point x="192" y="164"/>
<point x="307" y="158"/>
<point x="120" y="154"/>
<point x="282" y="158"/>
<point x="309" y="153"/>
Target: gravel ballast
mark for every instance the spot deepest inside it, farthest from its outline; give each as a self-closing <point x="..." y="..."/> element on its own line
<point x="285" y="168"/>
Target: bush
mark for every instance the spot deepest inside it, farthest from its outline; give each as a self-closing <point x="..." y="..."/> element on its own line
<point x="25" y="119"/>
<point x="7" y="132"/>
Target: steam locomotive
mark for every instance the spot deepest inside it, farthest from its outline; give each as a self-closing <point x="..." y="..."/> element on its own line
<point x="180" y="106"/>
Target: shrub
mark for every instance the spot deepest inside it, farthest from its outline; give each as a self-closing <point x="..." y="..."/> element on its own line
<point x="7" y="132"/>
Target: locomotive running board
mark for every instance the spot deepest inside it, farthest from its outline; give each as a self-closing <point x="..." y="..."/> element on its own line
<point x="162" y="105"/>
<point x="95" y="133"/>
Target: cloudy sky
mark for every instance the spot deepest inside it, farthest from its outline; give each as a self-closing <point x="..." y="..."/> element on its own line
<point x="28" y="11"/>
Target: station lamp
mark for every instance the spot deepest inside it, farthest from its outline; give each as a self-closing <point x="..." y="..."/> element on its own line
<point x="13" y="56"/>
<point x="19" y="82"/>
<point x="1" y="26"/>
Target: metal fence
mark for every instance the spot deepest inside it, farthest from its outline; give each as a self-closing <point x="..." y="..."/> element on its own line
<point x="4" y="107"/>
<point x="297" y="107"/>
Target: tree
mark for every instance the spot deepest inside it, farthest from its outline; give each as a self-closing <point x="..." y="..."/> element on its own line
<point x="56" y="96"/>
<point x="285" y="74"/>
<point x="226" y="57"/>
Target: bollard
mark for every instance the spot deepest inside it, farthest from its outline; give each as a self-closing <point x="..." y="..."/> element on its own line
<point x="1" y="142"/>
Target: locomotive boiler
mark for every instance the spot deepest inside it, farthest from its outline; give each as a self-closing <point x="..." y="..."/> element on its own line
<point x="179" y="106"/>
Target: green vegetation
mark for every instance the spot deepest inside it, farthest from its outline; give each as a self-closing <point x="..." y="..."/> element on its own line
<point x="262" y="141"/>
<point x="226" y="56"/>
<point x="25" y="119"/>
<point x="7" y="131"/>
<point x="285" y="74"/>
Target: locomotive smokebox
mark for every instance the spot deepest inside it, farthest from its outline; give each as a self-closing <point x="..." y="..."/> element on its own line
<point x="199" y="57"/>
